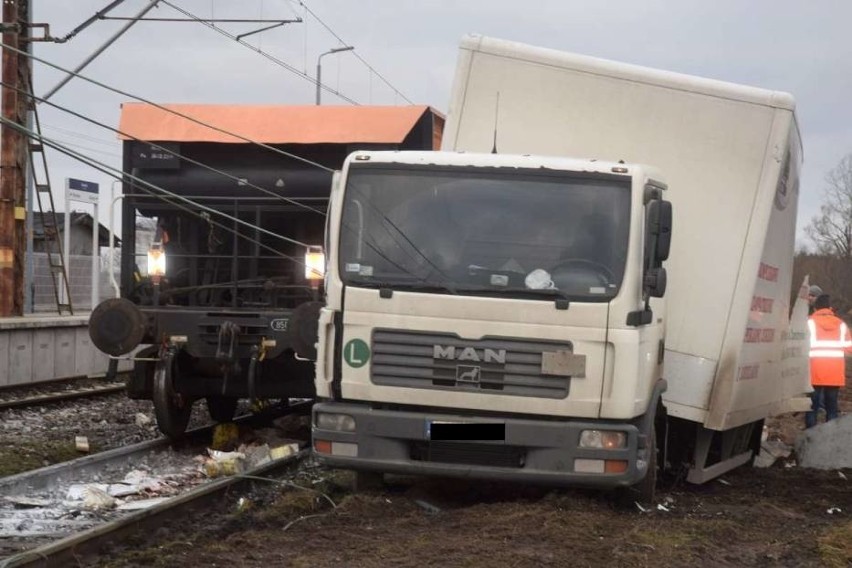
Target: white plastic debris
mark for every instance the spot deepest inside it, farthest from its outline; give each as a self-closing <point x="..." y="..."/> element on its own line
<point x="841" y="475"/>
<point x="26" y="502"/>
<point x="95" y="499"/>
<point x="723" y="482"/>
<point x="663" y="508"/>
<point x="640" y="507"/>
<point x="77" y="492"/>
<point x="142" y="481"/>
<point x="123" y="489"/>
<point x="833" y="510"/>
<point x="142" y="419"/>
<point x="257" y="455"/>
<point x="142" y="504"/>
<point x="82" y="444"/>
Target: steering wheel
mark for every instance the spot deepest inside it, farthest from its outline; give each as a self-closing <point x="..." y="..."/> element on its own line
<point x="602" y="272"/>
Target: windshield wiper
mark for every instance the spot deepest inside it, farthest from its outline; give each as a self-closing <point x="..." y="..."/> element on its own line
<point x="562" y="299"/>
<point x="408" y="286"/>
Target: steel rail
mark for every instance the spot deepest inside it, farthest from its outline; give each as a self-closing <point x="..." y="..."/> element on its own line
<point x="59" y="396"/>
<point x="70" y="550"/>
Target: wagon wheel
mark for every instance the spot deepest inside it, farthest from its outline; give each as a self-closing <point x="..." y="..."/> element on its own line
<point x="171" y="408"/>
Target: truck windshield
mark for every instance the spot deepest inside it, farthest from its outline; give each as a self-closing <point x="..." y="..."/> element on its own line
<point x="485" y="231"/>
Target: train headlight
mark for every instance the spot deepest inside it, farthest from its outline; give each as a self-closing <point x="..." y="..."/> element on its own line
<point x="314" y="263"/>
<point x="156" y="261"/>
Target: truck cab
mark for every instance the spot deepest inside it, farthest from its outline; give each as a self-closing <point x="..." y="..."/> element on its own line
<point x="493" y="315"/>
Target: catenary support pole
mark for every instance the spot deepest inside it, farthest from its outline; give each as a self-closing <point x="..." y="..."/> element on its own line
<point x="12" y="165"/>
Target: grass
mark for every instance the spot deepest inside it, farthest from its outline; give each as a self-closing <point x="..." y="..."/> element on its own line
<point x="835" y="546"/>
<point x="35" y="455"/>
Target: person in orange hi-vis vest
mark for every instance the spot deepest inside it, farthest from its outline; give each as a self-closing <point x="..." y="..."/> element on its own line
<point x="830" y="342"/>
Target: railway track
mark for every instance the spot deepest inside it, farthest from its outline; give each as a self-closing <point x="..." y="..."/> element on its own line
<point x="37" y="528"/>
<point x="20" y="396"/>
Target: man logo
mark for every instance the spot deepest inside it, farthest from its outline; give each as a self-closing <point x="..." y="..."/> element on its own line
<point x="468" y="374"/>
<point x="449" y="352"/>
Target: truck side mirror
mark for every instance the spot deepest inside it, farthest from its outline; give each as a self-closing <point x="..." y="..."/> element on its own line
<point x="659" y="224"/>
<point x="655" y="282"/>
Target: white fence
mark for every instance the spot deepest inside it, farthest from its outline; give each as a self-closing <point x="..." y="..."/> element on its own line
<point x="79" y="279"/>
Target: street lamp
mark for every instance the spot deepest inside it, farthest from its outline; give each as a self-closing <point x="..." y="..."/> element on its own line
<point x="319" y="66"/>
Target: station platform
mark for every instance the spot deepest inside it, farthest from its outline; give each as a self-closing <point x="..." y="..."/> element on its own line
<point x="45" y="347"/>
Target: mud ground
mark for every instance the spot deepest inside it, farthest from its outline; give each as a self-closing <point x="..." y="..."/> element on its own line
<point x="780" y="516"/>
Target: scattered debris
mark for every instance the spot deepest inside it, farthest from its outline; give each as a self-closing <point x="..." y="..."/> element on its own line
<point x="640" y="507"/>
<point x="723" y="482"/>
<point x="96" y="499"/>
<point x="841" y="475"/>
<point x="21" y="501"/>
<point x="429" y="507"/>
<point x="223" y="463"/>
<point x="663" y="508"/>
<point x="244" y="505"/>
<point x="82" y="444"/>
<point x="771" y="451"/>
<point x="142" y="419"/>
<point x="833" y="510"/>
<point x="77" y="492"/>
<point x="225" y="436"/>
<point x="142" y="504"/>
<point x="256" y="455"/>
<point x="284" y="451"/>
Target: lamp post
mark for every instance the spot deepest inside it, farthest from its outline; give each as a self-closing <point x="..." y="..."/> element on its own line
<point x="319" y="66"/>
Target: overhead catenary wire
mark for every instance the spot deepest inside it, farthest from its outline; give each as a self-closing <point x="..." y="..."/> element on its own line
<point x="166" y="109"/>
<point x="167" y="150"/>
<point x="113" y="144"/>
<point x="355" y="53"/>
<point x="265" y="54"/>
<point x="119" y="174"/>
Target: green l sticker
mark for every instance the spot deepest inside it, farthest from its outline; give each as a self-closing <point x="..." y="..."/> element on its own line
<point x="356" y="353"/>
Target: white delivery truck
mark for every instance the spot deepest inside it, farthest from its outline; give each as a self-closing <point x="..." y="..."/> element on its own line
<point x="516" y="306"/>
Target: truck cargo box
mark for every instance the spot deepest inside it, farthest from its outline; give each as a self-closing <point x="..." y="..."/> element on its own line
<point x="732" y="156"/>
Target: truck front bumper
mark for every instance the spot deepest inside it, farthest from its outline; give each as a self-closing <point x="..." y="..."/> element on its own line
<point x="538" y="451"/>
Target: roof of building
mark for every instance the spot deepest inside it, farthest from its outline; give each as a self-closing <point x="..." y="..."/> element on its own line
<point x="77" y="218"/>
<point x="272" y="124"/>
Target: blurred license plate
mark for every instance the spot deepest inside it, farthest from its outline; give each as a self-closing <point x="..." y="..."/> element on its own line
<point x="480" y="431"/>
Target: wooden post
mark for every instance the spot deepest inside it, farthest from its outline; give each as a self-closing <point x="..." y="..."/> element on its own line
<point x="13" y="163"/>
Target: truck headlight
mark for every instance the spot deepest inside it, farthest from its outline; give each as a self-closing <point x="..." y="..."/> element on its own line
<point x="337" y="422"/>
<point x="603" y="439"/>
<point x="314" y="263"/>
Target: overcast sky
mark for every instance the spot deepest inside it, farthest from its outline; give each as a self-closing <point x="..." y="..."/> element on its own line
<point x="800" y="47"/>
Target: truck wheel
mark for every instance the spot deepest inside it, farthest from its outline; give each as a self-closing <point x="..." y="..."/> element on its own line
<point x="644" y="491"/>
<point x="221" y="408"/>
<point x="171" y="409"/>
<point x="369" y="481"/>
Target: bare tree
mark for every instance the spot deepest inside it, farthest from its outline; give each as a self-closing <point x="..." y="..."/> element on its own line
<point x="831" y="230"/>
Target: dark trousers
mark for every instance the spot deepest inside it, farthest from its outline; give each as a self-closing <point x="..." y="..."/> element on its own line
<point x="822" y="397"/>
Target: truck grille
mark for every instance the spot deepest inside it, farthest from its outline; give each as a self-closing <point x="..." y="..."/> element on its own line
<point x="496" y="365"/>
<point x="495" y="455"/>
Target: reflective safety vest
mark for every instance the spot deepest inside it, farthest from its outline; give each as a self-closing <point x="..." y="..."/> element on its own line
<point x="830" y="342"/>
